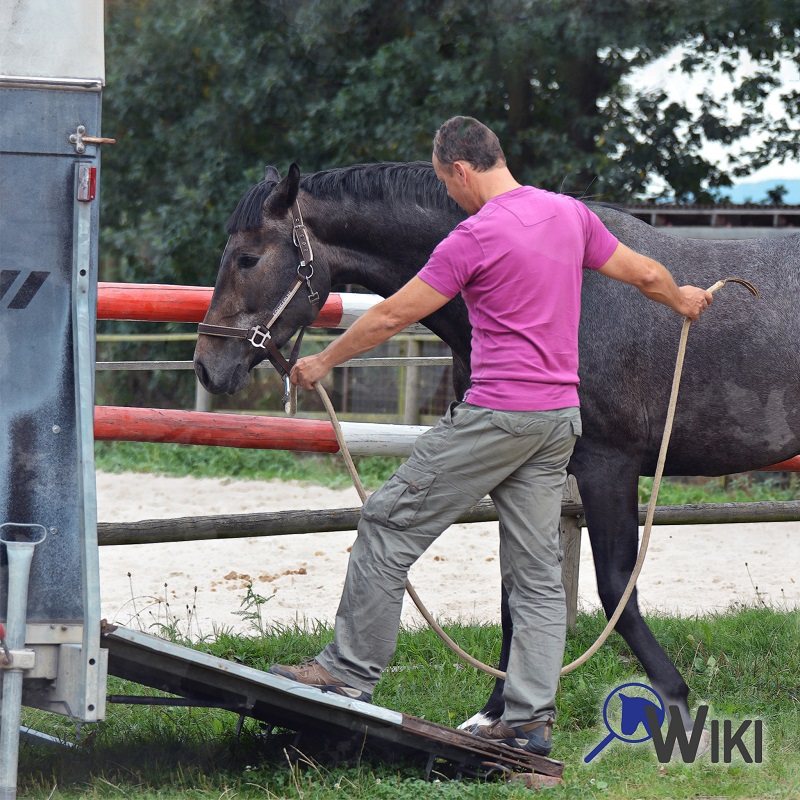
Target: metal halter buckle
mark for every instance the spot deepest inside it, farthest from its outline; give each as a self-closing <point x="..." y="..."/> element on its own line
<point x="262" y="336"/>
<point x="313" y="297"/>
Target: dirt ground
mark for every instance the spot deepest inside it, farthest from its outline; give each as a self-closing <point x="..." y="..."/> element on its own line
<point x="202" y="586"/>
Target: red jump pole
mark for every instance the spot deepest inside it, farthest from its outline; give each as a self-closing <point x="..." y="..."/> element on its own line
<point x="791" y="465"/>
<point x="123" y="424"/>
<point x="114" y="423"/>
<point x="153" y="302"/>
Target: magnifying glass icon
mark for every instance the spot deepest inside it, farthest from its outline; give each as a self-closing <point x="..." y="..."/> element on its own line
<point x="632" y="715"/>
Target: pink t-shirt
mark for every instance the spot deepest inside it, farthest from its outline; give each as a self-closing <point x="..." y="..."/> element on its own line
<point x="518" y="264"/>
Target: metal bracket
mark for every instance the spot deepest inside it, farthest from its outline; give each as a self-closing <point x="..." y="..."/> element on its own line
<point x="18" y="659"/>
<point x="80" y="140"/>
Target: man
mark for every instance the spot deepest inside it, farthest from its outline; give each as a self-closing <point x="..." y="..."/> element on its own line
<point x="517" y="262"/>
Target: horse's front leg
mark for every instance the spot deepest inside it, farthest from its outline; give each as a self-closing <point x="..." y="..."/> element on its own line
<point x="495" y="705"/>
<point x="608" y="483"/>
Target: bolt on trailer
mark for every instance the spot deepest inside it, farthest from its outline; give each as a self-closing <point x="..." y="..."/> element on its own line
<point x="51" y="79"/>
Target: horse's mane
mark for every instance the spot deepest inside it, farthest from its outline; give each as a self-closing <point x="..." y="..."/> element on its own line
<point x="386" y="181"/>
<point x="392" y="183"/>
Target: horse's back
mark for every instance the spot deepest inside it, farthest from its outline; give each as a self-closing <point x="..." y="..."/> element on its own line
<point x="738" y="406"/>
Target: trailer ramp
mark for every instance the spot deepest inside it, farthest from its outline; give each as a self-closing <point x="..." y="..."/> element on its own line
<point x="203" y="679"/>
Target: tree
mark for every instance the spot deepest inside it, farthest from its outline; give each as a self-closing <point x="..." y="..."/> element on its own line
<point x="777" y="194"/>
<point x="550" y="78"/>
<point x="203" y="93"/>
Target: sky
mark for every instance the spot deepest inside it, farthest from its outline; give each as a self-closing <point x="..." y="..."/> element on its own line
<point x="658" y="75"/>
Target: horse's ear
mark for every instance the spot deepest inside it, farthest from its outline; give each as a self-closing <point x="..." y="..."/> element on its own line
<point x="284" y="194"/>
<point x="271" y="174"/>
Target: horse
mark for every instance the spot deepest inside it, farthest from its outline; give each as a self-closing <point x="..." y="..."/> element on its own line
<point x="375" y="225"/>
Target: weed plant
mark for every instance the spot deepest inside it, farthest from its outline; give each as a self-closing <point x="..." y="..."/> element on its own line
<point x="744" y="664"/>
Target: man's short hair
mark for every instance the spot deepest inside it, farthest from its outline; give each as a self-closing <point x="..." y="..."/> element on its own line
<point x="467" y="139"/>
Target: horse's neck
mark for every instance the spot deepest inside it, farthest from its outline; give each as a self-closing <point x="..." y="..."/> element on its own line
<point x="381" y="250"/>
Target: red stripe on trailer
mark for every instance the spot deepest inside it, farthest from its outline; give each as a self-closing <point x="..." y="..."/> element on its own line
<point x="153" y="302"/>
<point x="120" y="424"/>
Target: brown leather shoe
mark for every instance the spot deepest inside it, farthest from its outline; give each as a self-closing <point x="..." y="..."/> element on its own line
<point x="312" y="673"/>
<point x="535" y="737"/>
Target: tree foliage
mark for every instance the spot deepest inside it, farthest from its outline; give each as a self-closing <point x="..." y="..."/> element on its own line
<point x="201" y="94"/>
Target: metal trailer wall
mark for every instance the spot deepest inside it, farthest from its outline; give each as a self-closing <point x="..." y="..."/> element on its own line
<point x="51" y="76"/>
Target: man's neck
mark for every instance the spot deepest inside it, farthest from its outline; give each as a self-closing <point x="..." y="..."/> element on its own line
<point x="495" y="182"/>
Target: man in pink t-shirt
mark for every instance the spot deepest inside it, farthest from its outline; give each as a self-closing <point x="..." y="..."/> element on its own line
<point x="517" y="261"/>
<point x="518" y="264"/>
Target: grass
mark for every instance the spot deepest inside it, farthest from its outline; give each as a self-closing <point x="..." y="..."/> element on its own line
<point x="329" y="470"/>
<point x="226" y="462"/>
<point x="744" y="664"/>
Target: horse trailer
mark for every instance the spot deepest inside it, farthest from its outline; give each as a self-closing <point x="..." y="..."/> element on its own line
<point x="51" y="80"/>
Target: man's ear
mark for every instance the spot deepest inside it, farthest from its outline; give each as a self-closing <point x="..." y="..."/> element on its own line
<point x="282" y="197"/>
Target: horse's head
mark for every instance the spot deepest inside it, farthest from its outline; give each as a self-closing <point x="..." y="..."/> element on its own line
<point x="267" y="256"/>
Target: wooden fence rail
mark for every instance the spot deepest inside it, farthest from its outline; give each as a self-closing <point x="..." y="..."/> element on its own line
<point x="280" y="523"/>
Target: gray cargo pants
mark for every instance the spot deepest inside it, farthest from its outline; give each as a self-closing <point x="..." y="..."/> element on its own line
<point x="519" y="458"/>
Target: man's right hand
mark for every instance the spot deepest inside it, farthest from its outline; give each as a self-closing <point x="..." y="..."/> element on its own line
<point x="307" y="371"/>
<point x="696" y="301"/>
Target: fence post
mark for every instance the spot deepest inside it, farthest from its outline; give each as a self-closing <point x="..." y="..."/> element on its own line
<point x="571" y="546"/>
<point x="411" y="393"/>
<point x="202" y="398"/>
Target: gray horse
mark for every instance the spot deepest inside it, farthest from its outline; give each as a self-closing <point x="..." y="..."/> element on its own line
<point x="375" y="225"/>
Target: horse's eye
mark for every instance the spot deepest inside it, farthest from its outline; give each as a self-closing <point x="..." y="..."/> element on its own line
<point x="247" y="262"/>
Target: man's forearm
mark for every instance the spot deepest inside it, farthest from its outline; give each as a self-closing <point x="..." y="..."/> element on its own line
<point x="658" y="285"/>
<point x="414" y="301"/>
<point x="374" y="328"/>
<point x="366" y="333"/>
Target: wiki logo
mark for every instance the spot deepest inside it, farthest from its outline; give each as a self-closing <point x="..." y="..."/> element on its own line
<point x="634" y="713"/>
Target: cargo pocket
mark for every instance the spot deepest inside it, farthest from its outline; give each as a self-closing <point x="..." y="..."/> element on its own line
<point x="521" y="424"/>
<point x="397" y="502"/>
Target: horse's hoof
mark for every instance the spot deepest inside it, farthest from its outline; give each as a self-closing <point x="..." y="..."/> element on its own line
<point x="702" y="747"/>
<point x="705" y="741"/>
<point x="476" y="721"/>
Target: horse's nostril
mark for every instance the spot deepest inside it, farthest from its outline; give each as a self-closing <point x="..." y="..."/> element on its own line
<point x="201" y="372"/>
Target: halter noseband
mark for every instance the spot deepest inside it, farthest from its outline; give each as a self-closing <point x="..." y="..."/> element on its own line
<point x="261" y="336"/>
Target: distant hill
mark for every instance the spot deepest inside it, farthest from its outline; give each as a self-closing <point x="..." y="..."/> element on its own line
<point x="756" y="192"/>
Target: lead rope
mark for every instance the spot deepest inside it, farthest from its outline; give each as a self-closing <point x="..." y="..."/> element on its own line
<point x="648" y="524"/>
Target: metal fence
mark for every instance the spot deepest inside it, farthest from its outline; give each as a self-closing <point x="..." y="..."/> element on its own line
<point x="409" y="379"/>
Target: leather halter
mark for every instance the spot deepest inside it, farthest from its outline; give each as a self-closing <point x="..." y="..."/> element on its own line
<point x="260" y="336"/>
